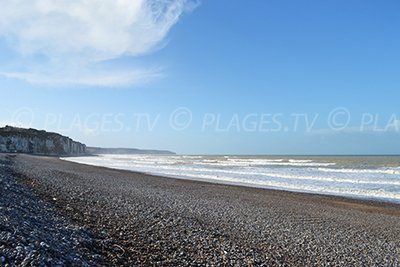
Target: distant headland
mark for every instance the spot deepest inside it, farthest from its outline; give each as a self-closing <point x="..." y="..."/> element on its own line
<point x="100" y="150"/>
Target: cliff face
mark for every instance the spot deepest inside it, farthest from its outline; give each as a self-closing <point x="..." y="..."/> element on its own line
<point x="38" y="142"/>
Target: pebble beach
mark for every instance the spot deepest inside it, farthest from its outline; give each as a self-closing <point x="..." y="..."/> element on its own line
<point x="54" y="212"/>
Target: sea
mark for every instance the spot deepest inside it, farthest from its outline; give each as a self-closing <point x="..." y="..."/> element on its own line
<point x="365" y="177"/>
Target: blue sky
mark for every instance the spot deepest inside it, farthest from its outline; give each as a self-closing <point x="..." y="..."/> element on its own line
<point x="220" y="77"/>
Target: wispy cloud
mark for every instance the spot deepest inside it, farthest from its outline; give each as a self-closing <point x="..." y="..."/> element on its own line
<point x="109" y="78"/>
<point x="86" y="32"/>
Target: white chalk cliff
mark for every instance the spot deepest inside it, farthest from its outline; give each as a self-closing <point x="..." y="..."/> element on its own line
<point x="19" y="140"/>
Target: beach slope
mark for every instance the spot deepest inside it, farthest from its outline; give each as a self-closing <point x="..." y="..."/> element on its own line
<point x="126" y="218"/>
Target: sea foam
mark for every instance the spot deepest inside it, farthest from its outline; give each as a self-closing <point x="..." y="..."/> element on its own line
<point x="317" y="175"/>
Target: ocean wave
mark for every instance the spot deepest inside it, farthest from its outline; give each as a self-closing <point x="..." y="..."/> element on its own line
<point x="395" y="171"/>
<point x="288" y="174"/>
<point x="352" y="192"/>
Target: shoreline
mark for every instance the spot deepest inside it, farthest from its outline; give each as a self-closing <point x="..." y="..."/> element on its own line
<point x="165" y="221"/>
<point x="366" y="200"/>
<point x="361" y="203"/>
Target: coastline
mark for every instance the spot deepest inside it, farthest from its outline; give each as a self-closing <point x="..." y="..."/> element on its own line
<point x="374" y="179"/>
<point x="141" y="219"/>
<point x="331" y="198"/>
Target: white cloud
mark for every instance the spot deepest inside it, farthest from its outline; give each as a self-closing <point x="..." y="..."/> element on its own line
<point x="87" y="77"/>
<point x="87" y="32"/>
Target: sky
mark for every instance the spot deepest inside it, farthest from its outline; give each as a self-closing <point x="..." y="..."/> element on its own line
<point x="206" y="77"/>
